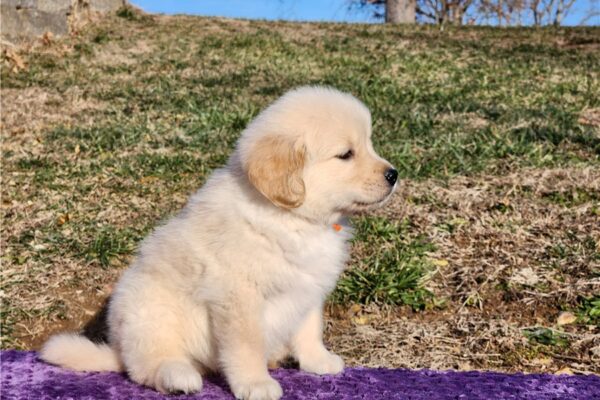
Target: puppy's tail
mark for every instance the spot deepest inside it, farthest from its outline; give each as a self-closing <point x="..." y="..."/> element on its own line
<point x="77" y="352"/>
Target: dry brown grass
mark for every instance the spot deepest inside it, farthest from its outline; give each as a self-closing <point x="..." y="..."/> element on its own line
<point x="497" y="234"/>
<point x="26" y="112"/>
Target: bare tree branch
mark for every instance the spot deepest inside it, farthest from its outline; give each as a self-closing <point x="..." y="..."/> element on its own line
<point x="502" y="12"/>
<point x="591" y="14"/>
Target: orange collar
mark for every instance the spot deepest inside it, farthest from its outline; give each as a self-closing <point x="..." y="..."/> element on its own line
<point x="337" y="227"/>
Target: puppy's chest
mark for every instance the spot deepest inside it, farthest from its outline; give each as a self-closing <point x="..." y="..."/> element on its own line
<point x="315" y="257"/>
<point x="309" y="269"/>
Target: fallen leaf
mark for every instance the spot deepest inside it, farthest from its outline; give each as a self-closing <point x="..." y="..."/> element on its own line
<point x="355" y="308"/>
<point x="148" y="179"/>
<point x="440" y="262"/>
<point x="525" y="276"/>
<point x="542" y="361"/>
<point x="361" y="319"/>
<point x="458" y="221"/>
<point x="47" y="38"/>
<point x="62" y="219"/>
<point x="565" y="318"/>
<point x="14" y="59"/>
<point x="564" y="371"/>
<point x="464" y="366"/>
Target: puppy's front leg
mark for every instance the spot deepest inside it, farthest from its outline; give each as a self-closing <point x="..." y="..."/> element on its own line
<point x="242" y="349"/>
<point x="309" y="348"/>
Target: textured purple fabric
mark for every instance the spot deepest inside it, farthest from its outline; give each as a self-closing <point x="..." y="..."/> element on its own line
<point x="24" y="376"/>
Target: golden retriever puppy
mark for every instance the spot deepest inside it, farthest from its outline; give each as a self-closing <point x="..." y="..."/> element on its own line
<point x="239" y="276"/>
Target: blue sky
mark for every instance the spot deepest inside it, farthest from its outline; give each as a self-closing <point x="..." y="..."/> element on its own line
<point x="294" y="10"/>
<point x="300" y="10"/>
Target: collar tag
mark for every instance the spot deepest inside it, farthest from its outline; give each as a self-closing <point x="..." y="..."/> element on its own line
<point x="337" y="227"/>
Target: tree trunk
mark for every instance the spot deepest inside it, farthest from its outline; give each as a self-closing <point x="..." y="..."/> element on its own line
<point x="559" y="13"/>
<point x="400" y="11"/>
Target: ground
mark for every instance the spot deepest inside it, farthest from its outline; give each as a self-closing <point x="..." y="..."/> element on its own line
<point x="487" y="257"/>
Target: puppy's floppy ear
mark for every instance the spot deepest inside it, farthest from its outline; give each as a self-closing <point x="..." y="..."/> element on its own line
<point x="274" y="166"/>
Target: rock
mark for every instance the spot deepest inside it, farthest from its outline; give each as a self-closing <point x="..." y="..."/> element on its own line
<point x="32" y="18"/>
<point x="525" y="277"/>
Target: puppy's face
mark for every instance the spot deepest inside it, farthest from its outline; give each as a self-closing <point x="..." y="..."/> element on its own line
<point x="343" y="173"/>
<point x="311" y="153"/>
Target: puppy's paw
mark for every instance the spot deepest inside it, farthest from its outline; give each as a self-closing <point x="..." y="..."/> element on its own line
<point x="178" y="376"/>
<point x="325" y="363"/>
<point x="263" y="389"/>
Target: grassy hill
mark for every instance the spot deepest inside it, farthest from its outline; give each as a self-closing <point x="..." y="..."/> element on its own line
<point x="496" y="133"/>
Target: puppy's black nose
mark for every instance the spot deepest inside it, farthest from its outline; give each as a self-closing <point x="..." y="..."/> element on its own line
<point x="391" y="175"/>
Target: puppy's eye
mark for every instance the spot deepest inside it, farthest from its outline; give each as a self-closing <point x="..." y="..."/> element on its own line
<point x="346" y="156"/>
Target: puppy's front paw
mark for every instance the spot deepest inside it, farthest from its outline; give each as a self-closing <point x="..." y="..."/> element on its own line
<point x="325" y="363"/>
<point x="178" y="376"/>
<point x="264" y="389"/>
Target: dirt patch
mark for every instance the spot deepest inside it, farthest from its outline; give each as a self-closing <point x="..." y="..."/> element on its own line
<point x="461" y="340"/>
<point x="470" y="120"/>
<point x="64" y="296"/>
<point x="591" y="117"/>
<point x="495" y="230"/>
<point x="26" y="112"/>
<point x="113" y="54"/>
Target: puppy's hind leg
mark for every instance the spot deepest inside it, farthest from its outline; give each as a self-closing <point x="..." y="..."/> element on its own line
<point x="150" y="336"/>
<point x="155" y="356"/>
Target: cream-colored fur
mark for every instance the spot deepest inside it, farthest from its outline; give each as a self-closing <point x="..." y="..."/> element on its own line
<point x="240" y="275"/>
<point x="81" y="353"/>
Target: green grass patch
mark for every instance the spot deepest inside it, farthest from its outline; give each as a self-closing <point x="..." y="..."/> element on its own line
<point x="131" y="14"/>
<point x="573" y="198"/>
<point x="589" y="310"/>
<point x="393" y="270"/>
<point x="110" y="244"/>
<point x="574" y="246"/>
<point x="441" y="106"/>
<point x="546" y="337"/>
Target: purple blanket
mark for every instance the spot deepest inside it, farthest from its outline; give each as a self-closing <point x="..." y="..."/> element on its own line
<point x="24" y="376"/>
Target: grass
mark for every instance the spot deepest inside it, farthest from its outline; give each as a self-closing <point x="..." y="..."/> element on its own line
<point x="110" y="245"/>
<point x="106" y="134"/>
<point x="393" y="273"/>
<point x="546" y="336"/>
<point x="440" y="107"/>
<point x="589" y="310"/>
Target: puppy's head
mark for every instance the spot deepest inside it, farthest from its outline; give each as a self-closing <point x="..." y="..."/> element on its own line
<point x="310" y="152"/>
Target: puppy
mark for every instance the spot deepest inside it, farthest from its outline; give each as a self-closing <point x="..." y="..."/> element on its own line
<point x="238" y="278"/>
